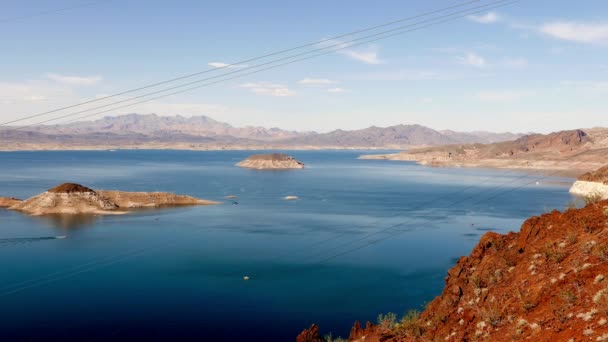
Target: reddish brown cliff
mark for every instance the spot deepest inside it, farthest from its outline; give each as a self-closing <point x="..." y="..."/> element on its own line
<point x="549" y="282"/>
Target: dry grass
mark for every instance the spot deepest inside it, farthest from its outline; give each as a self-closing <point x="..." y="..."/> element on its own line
<point x="410" y="324"/>
<point x="553" y="253"/>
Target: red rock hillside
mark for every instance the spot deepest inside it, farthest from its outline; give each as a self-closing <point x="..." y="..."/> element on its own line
<point x="549" y="282"/>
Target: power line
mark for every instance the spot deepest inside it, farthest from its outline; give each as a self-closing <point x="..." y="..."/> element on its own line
<point x="334" y="48"/>
<point x="241" y="62"/>
<point x="420" y="225"/>
<point x="8" y="20"/>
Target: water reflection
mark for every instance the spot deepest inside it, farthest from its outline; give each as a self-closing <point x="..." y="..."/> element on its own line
<point x="66" y="221"/>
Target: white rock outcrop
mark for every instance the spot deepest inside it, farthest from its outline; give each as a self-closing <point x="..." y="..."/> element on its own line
<point x="585" y="188"/>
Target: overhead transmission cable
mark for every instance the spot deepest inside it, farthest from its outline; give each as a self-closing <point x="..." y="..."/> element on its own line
<point x="234" y="64"/>
<point x="325" y="50"/>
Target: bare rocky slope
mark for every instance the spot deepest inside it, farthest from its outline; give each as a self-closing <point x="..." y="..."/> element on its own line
<point x="72" y="199"/>
<point x="592" y="184"/>
<point x="576" y="150"/>
<point x="201" y="132"/>
<point x="277" y="161"/>
<point x="548" y="282"/>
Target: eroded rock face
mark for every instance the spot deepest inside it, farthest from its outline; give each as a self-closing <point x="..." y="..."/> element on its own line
<point x="310" y="335"/>
<point x="70" y="198"/>
<point x="549" y="282"/>
<point x="271" y="161"/>
<point x="72" y="201"/>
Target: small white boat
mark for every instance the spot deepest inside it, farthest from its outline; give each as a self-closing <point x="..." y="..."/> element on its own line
<point x="246" y="278"/>
<point x="61" y="237"/>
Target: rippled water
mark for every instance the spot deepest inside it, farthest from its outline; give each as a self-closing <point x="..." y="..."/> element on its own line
<point x="365" y="237"/>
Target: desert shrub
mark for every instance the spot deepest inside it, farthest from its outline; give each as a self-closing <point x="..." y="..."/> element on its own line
<point x="572" y="238"/>
<point x="601" y="251"/>
<point x="410" y="324"/>
<point x="592" y="198"/>
<point x="492" y="314"/>
<point x="387" y="321"/>
<point x="330" y="338"/>
<point x="525" y="302"/>
<point x="568" y="296"/>
<point x="571" y="205"/>
<point x="552" y="253"/>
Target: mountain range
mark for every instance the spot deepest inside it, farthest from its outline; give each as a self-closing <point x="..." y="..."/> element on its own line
<point x="156" y="131"/>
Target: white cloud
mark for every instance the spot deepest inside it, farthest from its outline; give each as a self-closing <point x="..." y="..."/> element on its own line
<point x="368" y="57"/>
<point x="500" y="95"/>
<point x="577" y="32"/>
<point x="73" y="80"/>
<point x="269" y="89"/>
<point x="224" y="65"/>
<point x="316" y="81"/>
<point x="489" y="18"/>
<point x="474" y="60"/>
<point x="336" y="90"/>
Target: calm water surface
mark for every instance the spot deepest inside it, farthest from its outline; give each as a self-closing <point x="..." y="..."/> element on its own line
<point x="365" y="237"/>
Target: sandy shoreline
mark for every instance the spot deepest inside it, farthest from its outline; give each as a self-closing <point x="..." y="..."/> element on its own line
<point x="561" y="168"/>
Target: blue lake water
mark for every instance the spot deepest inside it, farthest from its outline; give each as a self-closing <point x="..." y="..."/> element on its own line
<point x="365" y="237"/>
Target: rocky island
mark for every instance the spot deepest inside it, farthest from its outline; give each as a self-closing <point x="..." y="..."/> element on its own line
<point x="73" y="199"/>
<point x="592" y="184"/>
<point x="548" y="282"/>
<point x="271" y="161"/>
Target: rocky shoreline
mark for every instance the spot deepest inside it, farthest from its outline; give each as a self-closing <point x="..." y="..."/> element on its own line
<point x="75" y="199"/>
<point x="570" y="152"/>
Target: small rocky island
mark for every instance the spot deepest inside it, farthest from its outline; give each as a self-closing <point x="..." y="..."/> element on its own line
<point x="74" y="199"/>
<point x="276" y="161"/>
<point x="594" y="183"/>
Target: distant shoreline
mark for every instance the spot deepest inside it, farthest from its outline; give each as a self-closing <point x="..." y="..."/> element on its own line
<point x="214" y="148"/>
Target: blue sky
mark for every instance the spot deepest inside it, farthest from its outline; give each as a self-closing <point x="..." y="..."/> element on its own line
<point x="532" y="66"/>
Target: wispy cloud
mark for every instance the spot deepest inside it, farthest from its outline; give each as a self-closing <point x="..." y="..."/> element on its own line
<point x="368" y="55"/>
<point x="488" y="18"/>
<point x="474" y="60"/>
<point x="336" y="90"/>
<point x="268" y="89"/>
<point x="590" y="33"/>
<point x="500" y="95"/>
<point x="73" y="80"/>
<point x="224" y="65"/>
<point x="316" y="81"/>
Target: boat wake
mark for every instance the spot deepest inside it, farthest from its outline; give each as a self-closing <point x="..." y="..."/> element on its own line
<point x="17" y="241"/>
